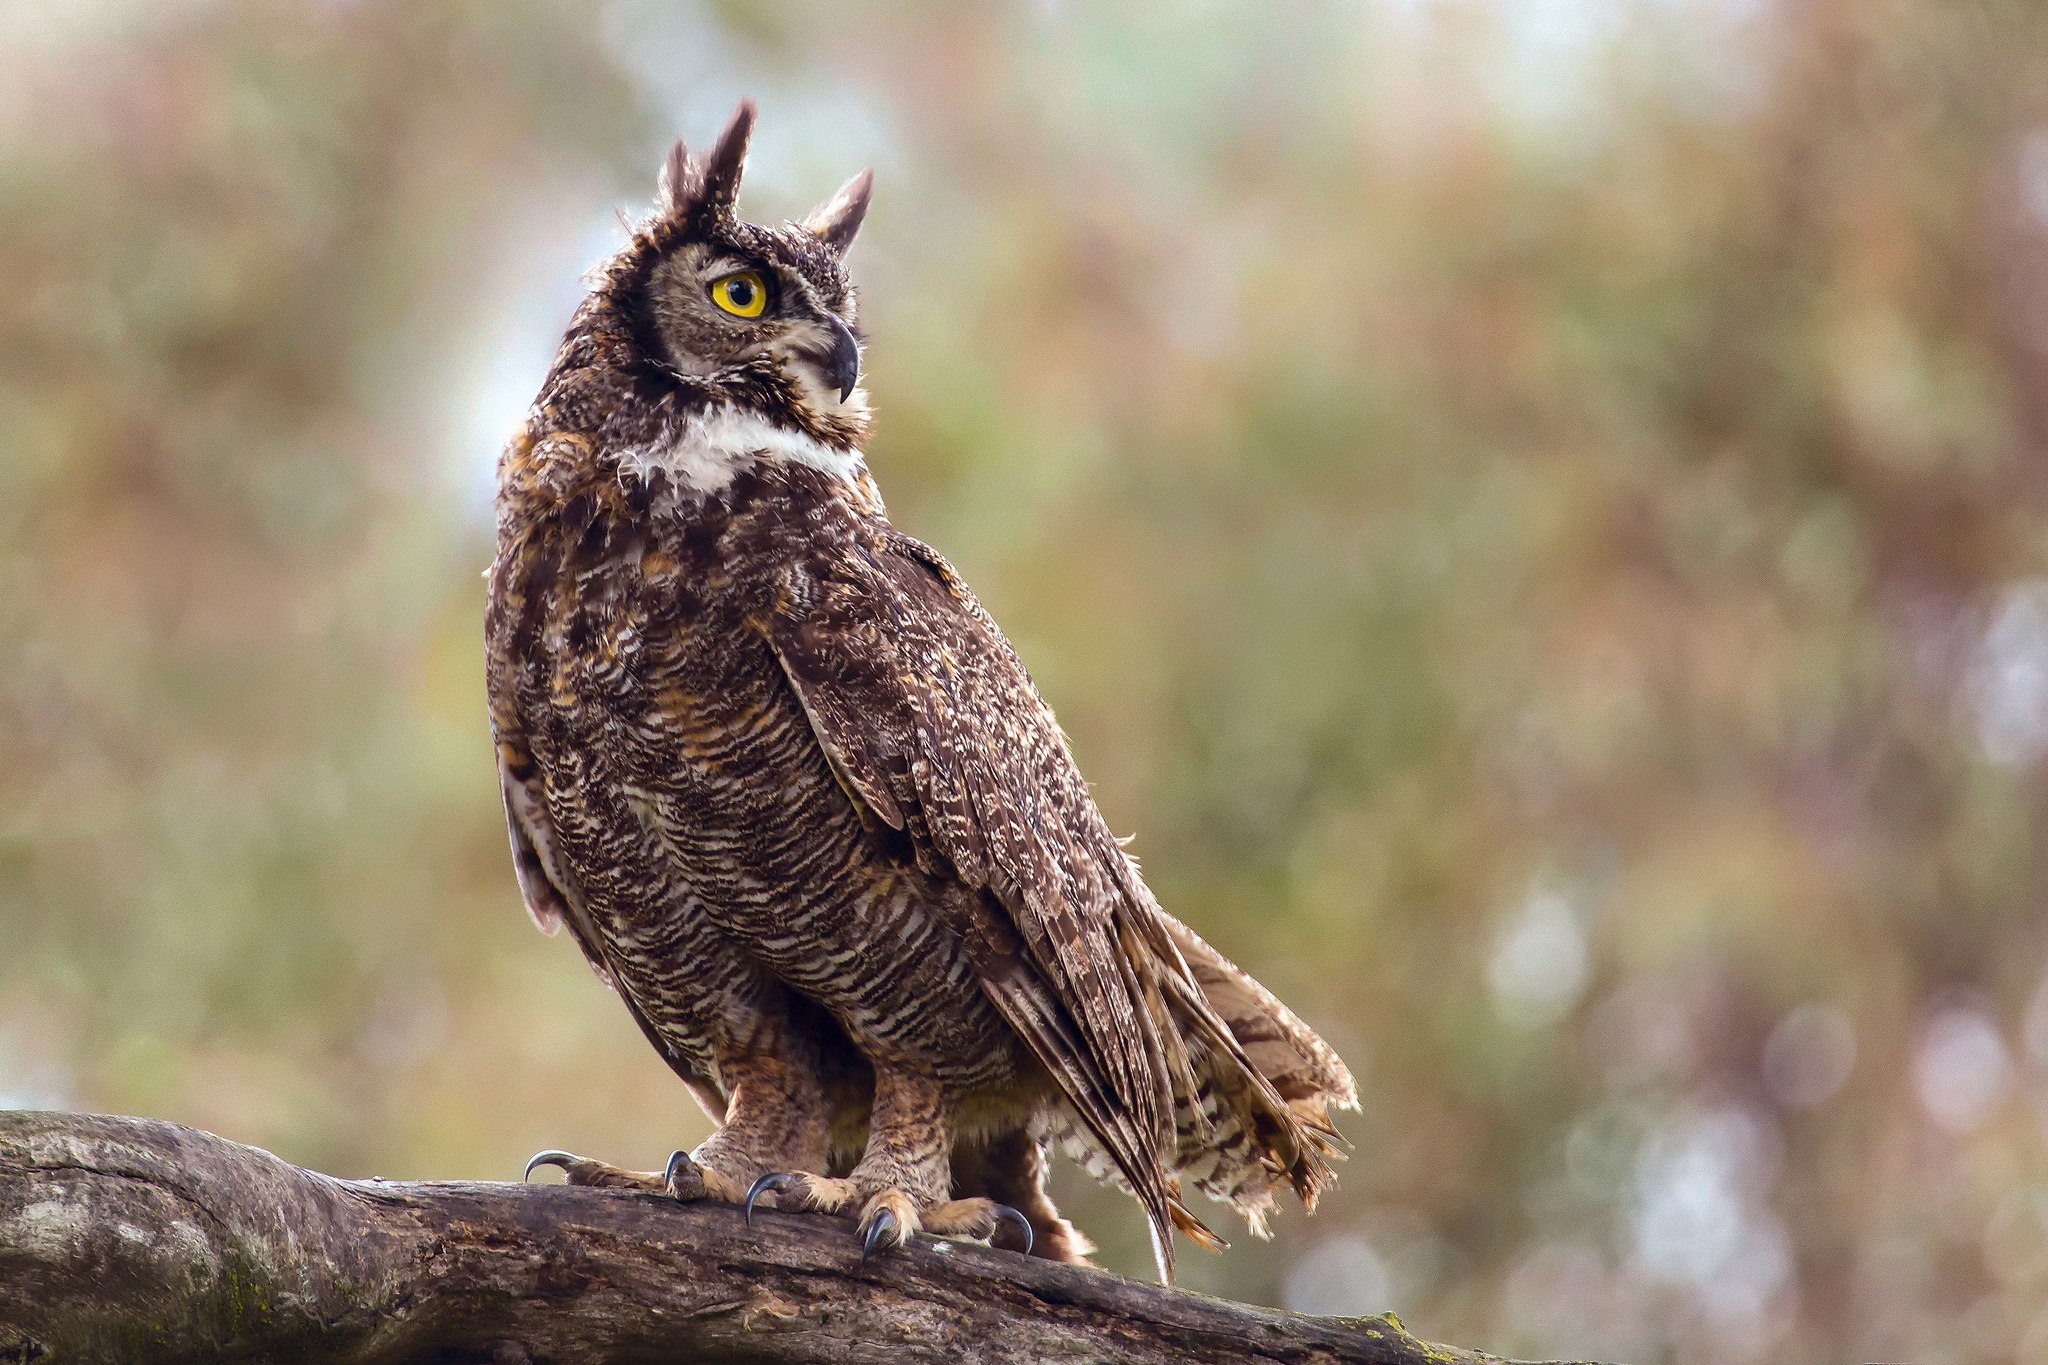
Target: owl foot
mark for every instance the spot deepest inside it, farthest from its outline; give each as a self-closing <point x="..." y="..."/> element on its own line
<point x="889" y="1217"/>
<point x="889" y="1220"/>
<point x="977" y="1220"/>
<point x="797" y="1192"/>
<point x="682" y="1179"/>
<point x="581" y="1170"/>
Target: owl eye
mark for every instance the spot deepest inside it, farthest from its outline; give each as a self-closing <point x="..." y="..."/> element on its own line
<point x="744" y="295"/>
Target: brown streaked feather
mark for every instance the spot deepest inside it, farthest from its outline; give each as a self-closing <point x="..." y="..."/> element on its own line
<point x="550" y="892"/>
<point x="544" y="899"/>
<point x="932" y="721"/>
<point x="1303" y="1069"/>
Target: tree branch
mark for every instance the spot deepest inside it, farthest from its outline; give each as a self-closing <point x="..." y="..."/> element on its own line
<point x="134" y="1240"/>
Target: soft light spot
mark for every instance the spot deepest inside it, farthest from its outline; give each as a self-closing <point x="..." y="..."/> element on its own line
<point x="1600" y="1150"/>
<point x="1961" y="1069"/>
<point x="1695" y="1183"/>
<point x="1755" y="1274"/>
<point x="1539" y="964"/>
<point x="2007" y="686"/>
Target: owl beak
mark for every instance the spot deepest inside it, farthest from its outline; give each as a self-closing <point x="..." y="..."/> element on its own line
<point x="842" y="362"/>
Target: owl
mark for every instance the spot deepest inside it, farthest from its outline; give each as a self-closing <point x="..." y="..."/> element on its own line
<point x="796" y="799"/>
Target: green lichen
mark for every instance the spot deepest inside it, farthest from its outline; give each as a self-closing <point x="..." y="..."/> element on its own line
<point x="241" y="1296"/>
<point x="1385" y="1324"/>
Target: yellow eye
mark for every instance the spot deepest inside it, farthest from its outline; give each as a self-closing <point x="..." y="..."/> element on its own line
<point x="744" y="295"/>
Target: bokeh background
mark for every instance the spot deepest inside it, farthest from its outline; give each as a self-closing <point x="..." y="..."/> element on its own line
<point x="1531" y="510"/>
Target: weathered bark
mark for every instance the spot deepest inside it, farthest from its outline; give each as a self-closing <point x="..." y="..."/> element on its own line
<point x="131" y="1240"/>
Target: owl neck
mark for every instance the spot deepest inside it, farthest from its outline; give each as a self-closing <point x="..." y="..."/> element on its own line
<point x="702" y="450"/>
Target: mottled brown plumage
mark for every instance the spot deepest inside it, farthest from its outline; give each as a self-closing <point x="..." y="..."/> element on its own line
<point x="800" y="805"/>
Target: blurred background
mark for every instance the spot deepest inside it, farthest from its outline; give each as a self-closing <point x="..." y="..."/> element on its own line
<point x="1531" y="510"/>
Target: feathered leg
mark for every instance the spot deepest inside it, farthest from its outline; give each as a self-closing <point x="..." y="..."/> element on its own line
<point x="902" y="1184"/>
<point x="777" y="1118"/>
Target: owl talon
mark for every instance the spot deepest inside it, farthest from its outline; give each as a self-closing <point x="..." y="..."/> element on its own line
<point x="1006" y="1214"/>
<point x="551" y="1157"/>
<point x="775" y="1182"/>
<point x="683" y="1177"/>
<point x="882" y="1229"/>
<point x="581" y="1170"/>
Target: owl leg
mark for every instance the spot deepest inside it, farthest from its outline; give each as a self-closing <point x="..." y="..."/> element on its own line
<point x="775" y="1118"/>
<point x="904" y="1167"/>
<point x="902" y="1184"/>
<point x="907" y="1169"/>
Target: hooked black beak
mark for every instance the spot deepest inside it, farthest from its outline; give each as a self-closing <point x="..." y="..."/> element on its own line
<point x="842" y="362"/>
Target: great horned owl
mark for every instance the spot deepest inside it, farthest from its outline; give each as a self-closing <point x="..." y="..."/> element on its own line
<point x="800" y="805"/>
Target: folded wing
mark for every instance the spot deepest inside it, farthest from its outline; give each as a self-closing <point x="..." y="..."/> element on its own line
<point x="935" y="729"/>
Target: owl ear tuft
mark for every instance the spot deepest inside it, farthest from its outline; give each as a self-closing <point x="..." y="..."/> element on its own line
<point x="837" y="220"/>
<point x="674" y="193"/>
<point x="720" y="187"/>
<point x="710" y="183"/>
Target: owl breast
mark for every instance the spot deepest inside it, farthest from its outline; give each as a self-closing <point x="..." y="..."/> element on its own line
<point x="723" y="865"/>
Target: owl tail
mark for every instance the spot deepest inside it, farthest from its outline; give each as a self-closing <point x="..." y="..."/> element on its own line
<point x="1252" y="1105"/>
<point x="1252" y="1087"/>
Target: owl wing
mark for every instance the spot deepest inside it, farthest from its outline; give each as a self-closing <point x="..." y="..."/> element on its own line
<point x="935" y="729"/>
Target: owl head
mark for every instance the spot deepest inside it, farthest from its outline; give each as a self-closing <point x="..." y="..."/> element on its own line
<point x="717" y="298"/>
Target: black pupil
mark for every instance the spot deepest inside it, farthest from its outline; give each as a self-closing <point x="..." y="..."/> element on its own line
<point x="741" y="292"/>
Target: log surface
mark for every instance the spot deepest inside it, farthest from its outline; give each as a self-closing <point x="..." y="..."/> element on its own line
<point x="134" y="1240"/>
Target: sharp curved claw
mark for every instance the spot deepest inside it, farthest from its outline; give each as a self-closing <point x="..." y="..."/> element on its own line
<point x="883" y="1226"/>
<point x="1006" y="1214"/>
<point x="776" y="1181"/>
<point x="550" y="1158"/>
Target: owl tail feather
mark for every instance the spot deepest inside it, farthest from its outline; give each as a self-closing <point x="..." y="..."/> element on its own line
<point x="1193" y="1228"/>
<point x="1257" y="1114"/>
<point x="1252" y="1088"/>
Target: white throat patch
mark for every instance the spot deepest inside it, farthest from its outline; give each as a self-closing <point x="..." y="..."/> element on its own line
<point x="714" y="447"/>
